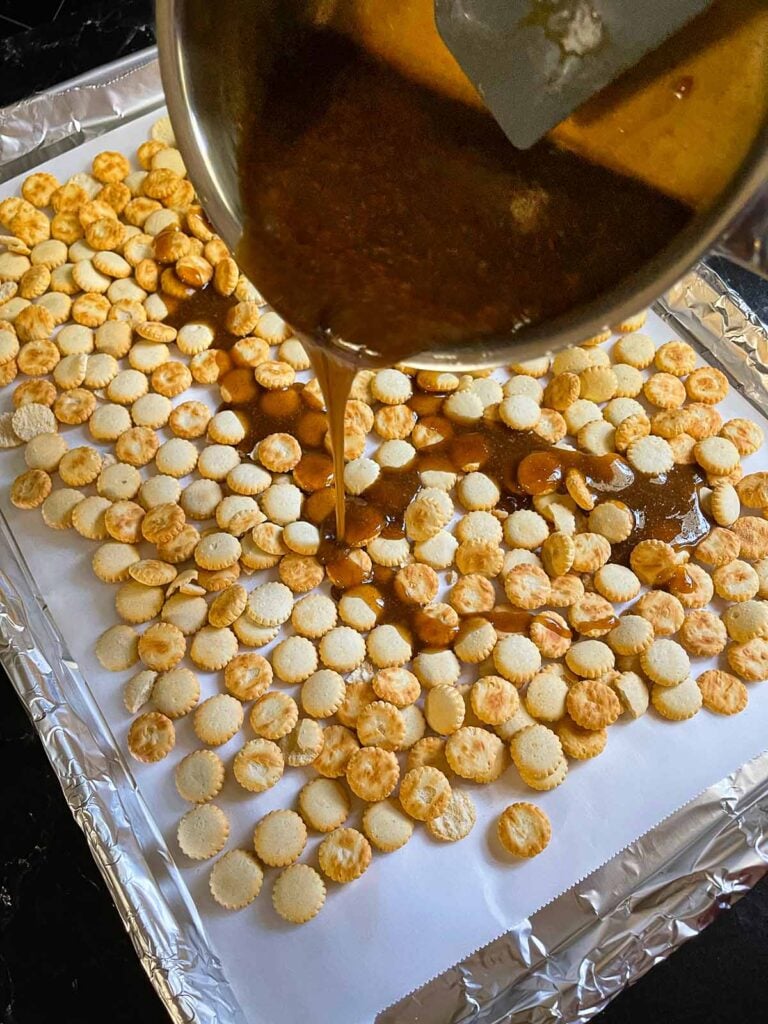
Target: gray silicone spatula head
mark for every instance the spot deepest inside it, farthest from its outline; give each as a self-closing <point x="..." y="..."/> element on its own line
<point x="535" y="61"/>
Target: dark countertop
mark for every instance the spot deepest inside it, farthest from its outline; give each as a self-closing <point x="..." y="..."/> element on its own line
<point x="64" y="955"/>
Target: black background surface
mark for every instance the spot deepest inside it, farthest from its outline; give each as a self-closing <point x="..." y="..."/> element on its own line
<point x="64" y="955"/>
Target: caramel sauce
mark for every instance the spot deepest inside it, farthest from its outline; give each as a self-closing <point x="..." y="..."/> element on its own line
<point x="335" y="376"/>
<point x="553" y="625"/>
<point x="605" y="623"/>
<point x="431" y="632"/>
<point x="524" y="465"/>
<point x="513" y="620"/>
<point x="509" y="620"/>
<point x="386" y="219"/>
<point x="682" y="580"/>
<point x="664" y="507"/>
<point x="202" y="306"/>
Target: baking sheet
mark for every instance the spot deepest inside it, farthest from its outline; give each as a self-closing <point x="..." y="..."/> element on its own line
<point x="418" y="911"/>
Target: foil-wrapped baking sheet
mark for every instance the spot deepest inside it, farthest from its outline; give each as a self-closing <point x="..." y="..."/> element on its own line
<point x="563" y="962"/>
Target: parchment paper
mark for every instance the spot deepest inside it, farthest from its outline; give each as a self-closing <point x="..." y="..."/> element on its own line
<point x="417" y="911"/>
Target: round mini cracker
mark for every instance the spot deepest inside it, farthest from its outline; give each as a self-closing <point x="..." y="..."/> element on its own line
<point x="217" y="719"/>
<point x="516" y="658"/>
<point x="736" y="581"/>
<point x="665" y="662"/>
<point x="322" y="693"/>
<point x="279" y="838"/>
<point x="298" y="894"/>
<point x="342" y="649"/>
<point x="324" y="804"/>
<point x="274" y="715"/>
<point x="151" y="737"/>
<point x="30" y="489"/>
<point x="677" y="703"/>
<point x="58" y="507"/>
<point x="163" y="490"/>
<point x="664" y="611"/>
<point x="747" y="620"/>
<point x="303" y="743"/>
<point x="444" y="709"/>
<point x="339" y="743"/>
<point x="386" y="826"/>
<point x="203" y="831"/>
<point x="258" y="765"/>
<point x="236" y="879"/>
<point x="111" y="561"/>
<point x="176" y="692"/>
<point x="372" y="773"/>
<point x="185" y="611"/>
<point x="31" y="419"/>
<point x="528" y="586"/>
<point x="151" y="572"/>
<point x="703" y="633"/>
<point x="536" y="750"/>
<point x="248" y="676"/>
<point x="270" y="604"/>
<point x="162" y="646"/>
<point x="344" y="855"/>
<point x="617" y="583"/>
<point x="227" y="606"/>
<point x="475" y="754"/>
<point x="217" y="551"/>
<point x="632" y="635"/>
<point x="545" y="697"/>
<point x="199" y="776"/>
<point x="457" y="819"/>
<point x="589" y="659"/>
<point x="722" y="692"/>
<point x="706" y="385"/>
<point x="212" y="649"/>
<point x="314" y="615"/>
<point x="579" y="743"/>
<point x="176" y="457"/>
<point x="396" y="685"/>
<point x="749" y="659"/>
<point x="494" y="699"/>
<point x="524" y="830"/>
<point x="136" y="603"/>
<point x="424" y="792"/>
<point x="429" y="751"/>
<point x="118" y="482"/>
<point x="592" y="704"/>
<point x="294" y="659"/>
<point x="117" y="649"/>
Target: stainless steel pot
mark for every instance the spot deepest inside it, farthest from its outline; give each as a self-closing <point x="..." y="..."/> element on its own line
<point x="200" y="40"/>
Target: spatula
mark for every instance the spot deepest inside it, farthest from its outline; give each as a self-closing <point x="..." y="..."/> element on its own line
<point x="534" y="62"/>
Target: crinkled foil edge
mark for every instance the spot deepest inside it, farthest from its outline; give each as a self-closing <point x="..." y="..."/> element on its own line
<point x="48" y="123"/>
<point x="566" y="961"/>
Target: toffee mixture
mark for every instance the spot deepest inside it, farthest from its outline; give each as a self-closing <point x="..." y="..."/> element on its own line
<point x="664" y="507"/>
<point x="390" y="219"/>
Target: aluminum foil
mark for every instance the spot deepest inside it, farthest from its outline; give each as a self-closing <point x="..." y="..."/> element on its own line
<point x="565" y="962"/>
<point x="48" y="123"/>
